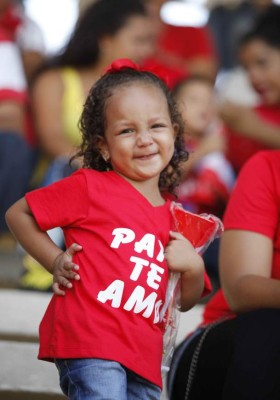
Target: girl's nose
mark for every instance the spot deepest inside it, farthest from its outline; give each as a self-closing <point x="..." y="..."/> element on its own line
<point x="144" y="138"/>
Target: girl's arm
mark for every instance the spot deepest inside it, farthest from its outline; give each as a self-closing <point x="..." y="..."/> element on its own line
<point x="181" y="257"/>
<point x="39" y="245"/>
<point x="245" y="270"/>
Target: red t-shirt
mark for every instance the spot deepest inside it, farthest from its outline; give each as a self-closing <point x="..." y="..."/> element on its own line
<point x="254" y="205"/>
<point x="113" y="311"/>
<point x="240" y="148"/>
<point x="176" y="46"/>
<point x="187" y="41"/>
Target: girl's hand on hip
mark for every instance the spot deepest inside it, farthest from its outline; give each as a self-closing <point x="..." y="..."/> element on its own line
<point x="64" y="269"/>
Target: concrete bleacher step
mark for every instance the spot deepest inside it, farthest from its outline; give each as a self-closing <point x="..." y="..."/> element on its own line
<point x="22" y="375"/>
<point x="20" y="314"/>
<point x="10" y="269"/>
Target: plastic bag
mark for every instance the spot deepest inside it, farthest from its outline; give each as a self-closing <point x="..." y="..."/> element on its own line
<point x="200" y="230"/>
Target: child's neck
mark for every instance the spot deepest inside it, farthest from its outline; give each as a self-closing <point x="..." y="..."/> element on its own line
<point x="150" y="190"/>
<point x="155" y="199"/>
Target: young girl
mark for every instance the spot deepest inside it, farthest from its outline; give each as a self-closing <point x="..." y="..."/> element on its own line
<point x="105" y="335"/>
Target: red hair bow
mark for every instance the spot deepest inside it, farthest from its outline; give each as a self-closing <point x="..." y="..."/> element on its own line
<point x="123" y="63"/>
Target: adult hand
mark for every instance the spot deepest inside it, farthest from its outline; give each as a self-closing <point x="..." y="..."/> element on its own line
<point x="237" y="117"/>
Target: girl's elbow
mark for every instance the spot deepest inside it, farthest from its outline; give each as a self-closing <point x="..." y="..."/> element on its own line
<point x="12" y="215"/>
<point x="9" y="215"/>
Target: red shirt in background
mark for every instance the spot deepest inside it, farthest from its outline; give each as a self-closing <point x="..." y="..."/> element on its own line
<point x="176" y="46"/>
<point x="253" y="206"/>
<point x="240" y="149"/>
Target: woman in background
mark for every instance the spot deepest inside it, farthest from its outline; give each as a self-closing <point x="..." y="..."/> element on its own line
<point x="235" y="353"/>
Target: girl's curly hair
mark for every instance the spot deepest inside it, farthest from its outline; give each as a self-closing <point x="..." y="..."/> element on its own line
<point x="93" y="120"/>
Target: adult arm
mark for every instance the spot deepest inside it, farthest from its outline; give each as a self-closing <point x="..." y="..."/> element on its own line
<point x="245" y="271"/>
<point x="46" y="97"/>
<point x="245" y="122"/>
<point x="247" y="254"/>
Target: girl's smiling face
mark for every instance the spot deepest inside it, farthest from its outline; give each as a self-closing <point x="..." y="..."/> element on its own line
<point x="262" y="62"/>
<point x="139" y="135"/>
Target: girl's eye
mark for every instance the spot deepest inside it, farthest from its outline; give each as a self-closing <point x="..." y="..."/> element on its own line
<point x="128" y="130"/>
<point x="158" y="125"/>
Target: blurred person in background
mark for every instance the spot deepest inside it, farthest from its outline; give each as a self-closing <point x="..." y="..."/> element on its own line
<point x="21" y="52"/>
<point x="26" y="34"/>
<point x="250" y="129"/>
<point x="235" y="352"/>
<point x="106" y="30"/>
<point x="228" y="21"/>
<point x="207" y="176"/>
<point x="181" y="50"/>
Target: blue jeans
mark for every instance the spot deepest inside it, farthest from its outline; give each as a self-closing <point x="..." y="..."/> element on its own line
<point x="98" y="379"/>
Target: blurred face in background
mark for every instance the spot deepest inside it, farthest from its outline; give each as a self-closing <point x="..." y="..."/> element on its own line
<point x="262" y="63"/>
<point x="134" y="40"/>
<point x="196" y="103"/>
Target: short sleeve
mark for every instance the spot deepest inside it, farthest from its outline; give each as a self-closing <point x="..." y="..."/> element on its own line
<point x="253" y="202"/>
<point x="64" y="203"/>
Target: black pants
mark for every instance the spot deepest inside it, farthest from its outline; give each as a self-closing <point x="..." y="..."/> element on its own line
<point x="239" y="359"/>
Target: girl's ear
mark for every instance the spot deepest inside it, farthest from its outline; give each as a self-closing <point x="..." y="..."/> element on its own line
<point x="104" y="150"/>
